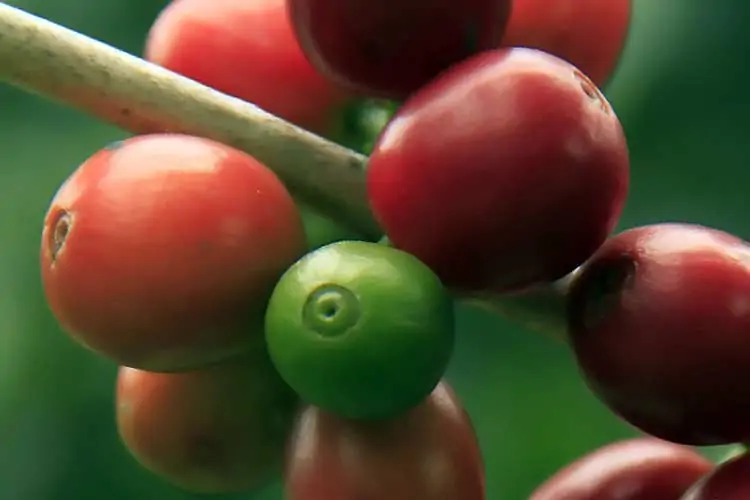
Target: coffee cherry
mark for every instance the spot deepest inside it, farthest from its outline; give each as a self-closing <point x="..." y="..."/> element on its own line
<point x="636" y="469"/>
<point x="730" y="481"/>
<point x="507" y="171"/>
<point x="245" y="48"/>
<point x="360" y="329"/>
<point x="161" y="252"/>
<point x="390" y="48"/>
<point x="220" y="429"/>
<point x="590" y="34"/>
<point x="659" y="322"/>
<point x="430" y="453"/>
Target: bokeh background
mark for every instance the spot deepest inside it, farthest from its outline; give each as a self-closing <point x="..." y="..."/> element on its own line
<point x="680" y="92"/>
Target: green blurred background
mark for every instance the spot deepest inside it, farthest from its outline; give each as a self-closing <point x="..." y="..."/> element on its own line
<point x="680" y="95"/>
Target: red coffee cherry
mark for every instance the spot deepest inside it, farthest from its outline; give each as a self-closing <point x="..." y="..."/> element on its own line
<point x="246" y="49"/>
<point x="590" y="34"/>
<point x="635" y="469"/>
<point x="429" y="453"/>
<point x="507" y="171"/>
<point x="161" y="252"/>
<point x="390" y="48"/>
<point x="730" y="481"/>
<point x="215" y="430"/>
<point x="659" y="322"/>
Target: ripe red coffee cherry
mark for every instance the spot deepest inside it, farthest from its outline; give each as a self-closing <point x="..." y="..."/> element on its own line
<point x="730" y="481"/>
<point x="390" y="48"/>
<point x="590" y="34"/>
<point x="507" y="171"/>
<point x="659" y="321"/>
<point x="429" y="453"/>
<point x="217" y="430"/>
<point x="160" y="253"/>
<point x="636" y="469"/>
<point x="245" y="48"/>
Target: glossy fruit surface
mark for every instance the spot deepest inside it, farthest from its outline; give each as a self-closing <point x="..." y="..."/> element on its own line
<point x="636" y="469"/>
<point x="220" y="429"/>
<point x="360" y="329"/>
<point x="161" y="251"/>
<point x="245" y="48"/>
<point x="390" y="48"/>
<point x="507" y="171"/>
<point x="730" y="481"/>
<point x="430" y="453"/>
<point x="590" y="34"/>
<point x="659" y="322"/>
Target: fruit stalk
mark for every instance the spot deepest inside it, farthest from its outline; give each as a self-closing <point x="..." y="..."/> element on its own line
<point x="59" y="64"/>
<point x="116" y="87"/>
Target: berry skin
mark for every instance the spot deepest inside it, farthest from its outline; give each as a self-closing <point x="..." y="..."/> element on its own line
<point x="160" y="253"/>
<point x="247" y="49"/>
<point x="659" y="321"/>
<point x="590" y="34"/>
<point x="390" y="48"/>
<point x="636" y="469"/>
<point x="430" y="453"/>
<point x="505" y="172"/>
<point x="360" y="330"/>
<point x="730" y="481"/>
<point x="217" y="430"/>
